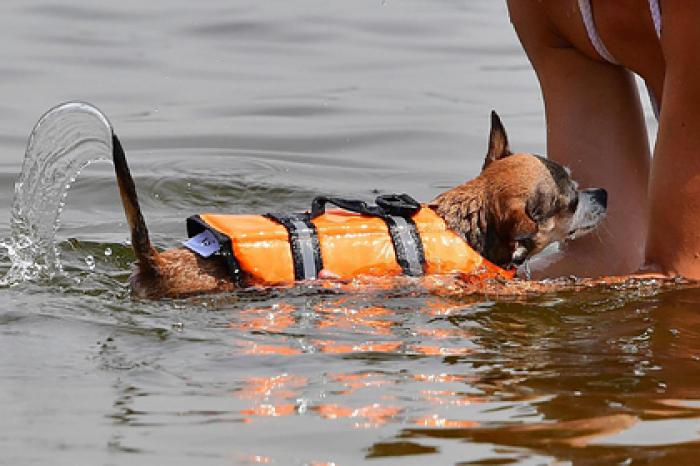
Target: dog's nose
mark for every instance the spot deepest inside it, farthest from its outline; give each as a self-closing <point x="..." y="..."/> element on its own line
<point x="599" y="195"/>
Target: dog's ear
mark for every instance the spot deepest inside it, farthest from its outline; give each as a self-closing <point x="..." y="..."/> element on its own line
<point x="498" y="141"/>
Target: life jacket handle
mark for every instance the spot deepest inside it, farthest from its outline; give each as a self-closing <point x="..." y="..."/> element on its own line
<point x="400" y="205"/>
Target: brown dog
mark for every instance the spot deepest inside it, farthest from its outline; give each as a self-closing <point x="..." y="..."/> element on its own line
<point x="519" y="204"/>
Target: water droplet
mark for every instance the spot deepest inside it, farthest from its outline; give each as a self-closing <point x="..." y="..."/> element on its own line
<point x="108" y="252"/>
<point x="90" y="261"/>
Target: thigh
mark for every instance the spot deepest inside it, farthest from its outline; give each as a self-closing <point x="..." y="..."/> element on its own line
<point x="595" y="126"/>
<point x="674" y="225"/>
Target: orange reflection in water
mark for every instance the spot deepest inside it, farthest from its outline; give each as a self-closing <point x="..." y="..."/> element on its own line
<point x="257" y="459"/>
<point x="273" y="319"/>
<point x="435" y="350"/>
<point x="270" y="410"/>
<point x="337" y="314"/>
<point x="444" y="397"/>
<point x="436" y="421"/>
<point x="260" y="459"/>
<point x="286" y="395"/>
<point x="334" y="347"/>
<point x="373" y="415"/>
<point x="450" y="398"/>
<point x="435" y="308"/>
<point x="276" y="397"/>
<point x="444" y="378"/>
<point x="272" y="396"/>
<point x="442" y="333"/>
<point x="354" y="382"/>
<point x="280" y="386"/>
<point x="257" y="349"/>
<point x="350" y="318"/>
<point x="279" y="395"/>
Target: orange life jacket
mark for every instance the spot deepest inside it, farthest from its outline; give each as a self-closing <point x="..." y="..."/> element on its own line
<point x="276" y="249"/>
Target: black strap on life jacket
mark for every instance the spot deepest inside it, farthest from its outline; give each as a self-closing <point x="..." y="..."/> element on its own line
<point x="195" y="226"/>
<point x="396" y="210"/>
<point x="407" y="245"/>
<point x="401" y="205"/>
<point x="303" y="241"/>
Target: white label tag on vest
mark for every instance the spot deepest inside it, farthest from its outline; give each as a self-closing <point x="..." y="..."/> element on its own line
<point x="205" y="244"/>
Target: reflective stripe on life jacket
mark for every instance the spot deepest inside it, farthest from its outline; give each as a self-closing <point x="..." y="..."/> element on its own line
<point x="280" y="249"/>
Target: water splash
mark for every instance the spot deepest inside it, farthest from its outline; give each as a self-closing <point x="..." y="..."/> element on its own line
<point x="65" y="140"/>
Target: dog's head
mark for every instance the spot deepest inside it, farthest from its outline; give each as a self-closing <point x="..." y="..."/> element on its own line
<point x="519" y="204"/>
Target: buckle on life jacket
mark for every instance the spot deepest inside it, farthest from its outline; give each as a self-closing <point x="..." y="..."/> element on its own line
<point x="388" y="205"/>
<point x="400" y="205"/>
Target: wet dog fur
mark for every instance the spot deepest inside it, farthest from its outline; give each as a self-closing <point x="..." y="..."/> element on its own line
<point x="513" y="209"/>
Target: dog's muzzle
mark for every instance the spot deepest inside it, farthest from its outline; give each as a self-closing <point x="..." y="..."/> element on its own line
<point x="591" y="210"/>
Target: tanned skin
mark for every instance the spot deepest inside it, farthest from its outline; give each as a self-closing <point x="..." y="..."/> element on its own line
<point x="595" y="126"/>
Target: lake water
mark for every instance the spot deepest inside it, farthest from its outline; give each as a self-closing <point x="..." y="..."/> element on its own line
<point x="249" y="106"/>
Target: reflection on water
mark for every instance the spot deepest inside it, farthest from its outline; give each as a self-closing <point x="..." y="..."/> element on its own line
<point x="602" y="374"/>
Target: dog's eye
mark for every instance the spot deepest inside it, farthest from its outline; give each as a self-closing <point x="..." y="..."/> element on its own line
<point x="573" y="204"/>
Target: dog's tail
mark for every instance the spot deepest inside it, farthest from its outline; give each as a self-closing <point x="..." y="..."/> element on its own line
<point x="145" y="253"/>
